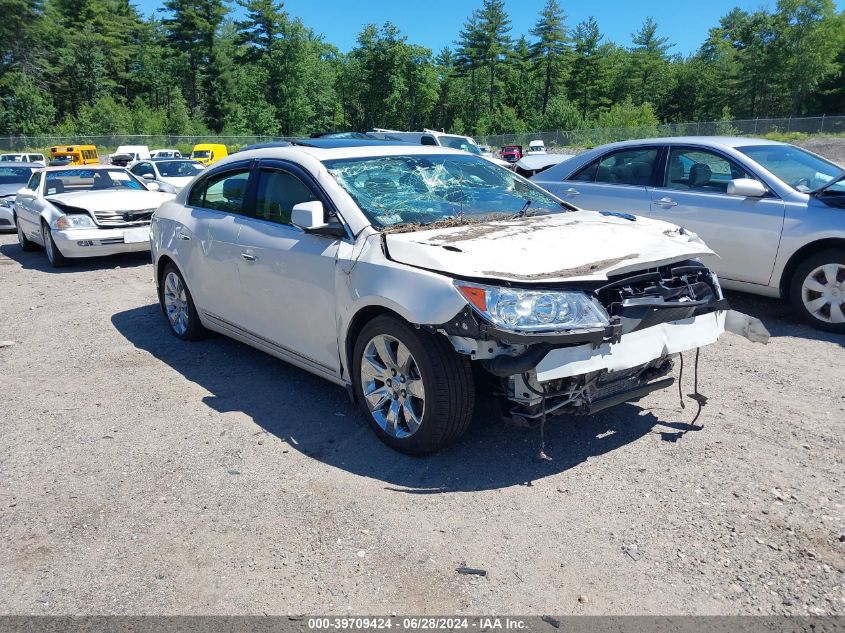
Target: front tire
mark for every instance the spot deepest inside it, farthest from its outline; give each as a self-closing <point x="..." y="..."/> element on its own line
<point x="818" y="290"/>
<point x="25" y="243"/>
<point x="178" y="306"/>
<point x="417" y="393"/>
<point x="54" y="255"/>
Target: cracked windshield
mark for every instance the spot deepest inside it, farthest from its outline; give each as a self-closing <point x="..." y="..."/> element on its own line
<point x="421" y="190"/>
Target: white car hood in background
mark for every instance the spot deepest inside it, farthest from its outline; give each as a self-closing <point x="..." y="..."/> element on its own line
<point x="177" y="181"/>
<point x="112" y="199"/>
<point x="576" y="246"/>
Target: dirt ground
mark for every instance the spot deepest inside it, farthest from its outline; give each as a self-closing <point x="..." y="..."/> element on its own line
<point x="143" y="475"/>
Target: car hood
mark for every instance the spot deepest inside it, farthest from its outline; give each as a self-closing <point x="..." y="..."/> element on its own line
<point x="12" y="189"/>
<point x="576" y="246"/>
<point x="112" y="199"/>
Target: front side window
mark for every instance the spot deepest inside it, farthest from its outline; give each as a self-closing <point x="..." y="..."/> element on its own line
<point x="142" y="169"/>
<point x="34" y="181"/>
<point x="179" y="168"/>
<point x="459" y="142"/>
<point x="627" y="167"/>
<point x="277" y="193"/>
<point x="221" y="192"/>
<point x="421" y="189"/>
<point x="798" y="168"/>
<point x="701" y="170"/>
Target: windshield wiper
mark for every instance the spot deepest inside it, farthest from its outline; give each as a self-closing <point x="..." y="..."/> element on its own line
<point x="827" y="185"/>
<point x="522" y="211"/>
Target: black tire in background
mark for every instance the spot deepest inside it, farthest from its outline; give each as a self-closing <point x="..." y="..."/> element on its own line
<point x="25" y="243"/>
<point x="798" y="297"/>
<point x="193" y="328"/>
<point x="447" y="380"/>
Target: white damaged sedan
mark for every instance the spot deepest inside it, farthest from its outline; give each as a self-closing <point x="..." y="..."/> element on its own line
<point x="396" y="270"/>
<point x="85" y="211"/>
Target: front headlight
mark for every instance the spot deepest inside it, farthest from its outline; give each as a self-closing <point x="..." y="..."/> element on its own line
<point x="75" y="222"/>
<point x="8" y="202"/>
<point x="534" y="310"/>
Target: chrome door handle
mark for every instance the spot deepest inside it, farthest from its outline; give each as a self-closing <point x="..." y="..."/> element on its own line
<point x="182" y="236"/>
<point x="666" y="202"/>
<point x="248" y="257"/>
<point x="572" y="192"/>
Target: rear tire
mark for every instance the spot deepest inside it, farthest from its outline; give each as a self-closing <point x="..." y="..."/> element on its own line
<point x="178" y="306"/>
<point x="817" y="290"/>
<point x="421" y="396"/>
<point x="25" y="243"/>
<point x="54" y="255"/>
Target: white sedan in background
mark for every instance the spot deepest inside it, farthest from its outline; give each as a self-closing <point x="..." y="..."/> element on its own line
<point x="86" y="212"/>
<point x="173" y="172"/>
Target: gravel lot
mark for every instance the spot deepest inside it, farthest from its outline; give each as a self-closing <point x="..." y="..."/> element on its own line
<point x="141" y="474"/>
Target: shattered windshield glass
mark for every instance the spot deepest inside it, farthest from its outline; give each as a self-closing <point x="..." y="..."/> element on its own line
<point x="424" y="189"/>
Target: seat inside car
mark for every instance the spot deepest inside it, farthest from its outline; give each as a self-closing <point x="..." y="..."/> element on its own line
<point x="699" y="176"/>
<point x="54" y="186"/>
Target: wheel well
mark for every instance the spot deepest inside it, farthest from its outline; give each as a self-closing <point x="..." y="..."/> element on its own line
<point x="800" y="255"/>
<point x="161" y="264"/>
<point x="361" y="318"/>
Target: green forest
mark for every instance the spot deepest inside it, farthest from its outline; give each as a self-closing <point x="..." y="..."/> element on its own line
<point x="210" y="66"/>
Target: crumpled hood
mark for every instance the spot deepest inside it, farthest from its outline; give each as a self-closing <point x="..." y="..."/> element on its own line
<point x="576" y="246"/>
<point x="112" y="199"/>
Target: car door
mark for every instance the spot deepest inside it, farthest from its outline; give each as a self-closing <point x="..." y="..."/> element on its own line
<point x="744" y="231"/>
<point x="208" y="241"/>
<point x="28" y="207"/>
<point x="288" y="275"/>
<point x="617" y="181"/>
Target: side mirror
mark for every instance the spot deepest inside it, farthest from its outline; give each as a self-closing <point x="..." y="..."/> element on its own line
<point x="746" y="187"/>
<point x="25" y="193"/>
<point x="308" y="216"/>
<point x="148" y="176"/>
<point x="153" y="186"/>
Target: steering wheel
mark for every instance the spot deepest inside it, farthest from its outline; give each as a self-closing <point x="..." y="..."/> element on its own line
<point x="802" y="182"/>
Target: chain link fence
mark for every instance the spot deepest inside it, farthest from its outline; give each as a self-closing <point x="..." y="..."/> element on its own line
<point x="590" y="137"/>
<point x="106" y="143"/>
<point x="584" y="137"/>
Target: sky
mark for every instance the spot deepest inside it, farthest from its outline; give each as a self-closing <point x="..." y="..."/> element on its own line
<point x="436" y="23"/>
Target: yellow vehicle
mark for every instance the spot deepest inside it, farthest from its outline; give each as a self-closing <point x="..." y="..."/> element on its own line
<point x="78" y="154"/>
<point x="208" y="153"/>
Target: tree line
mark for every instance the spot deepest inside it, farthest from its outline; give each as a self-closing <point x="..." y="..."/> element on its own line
<point x="199" y="66"/>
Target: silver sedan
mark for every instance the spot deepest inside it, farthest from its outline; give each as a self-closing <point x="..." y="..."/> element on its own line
<point x="773" y="212"/>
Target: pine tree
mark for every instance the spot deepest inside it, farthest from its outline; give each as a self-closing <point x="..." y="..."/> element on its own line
<point x="586" y="63"/>
<point x="550" y="49"/>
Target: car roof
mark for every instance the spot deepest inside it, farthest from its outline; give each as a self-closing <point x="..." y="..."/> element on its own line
<point x="711" y="141"/>
<point x="334" y="150"/>
<point x="77" y="167"/>
<point x="15" y="163"/>
<point x="335" y="143"/>
<point x="168" y="159"/>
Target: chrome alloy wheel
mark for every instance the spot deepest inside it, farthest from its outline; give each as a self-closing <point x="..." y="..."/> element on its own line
<point x="823" y="293"/>
<point x="392" y="386"/>
<point x="176" y="303"/>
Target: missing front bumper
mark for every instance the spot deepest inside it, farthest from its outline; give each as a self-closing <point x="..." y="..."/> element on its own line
<point x="633" y="349"/>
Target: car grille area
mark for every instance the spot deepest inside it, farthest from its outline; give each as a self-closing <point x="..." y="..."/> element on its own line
<point x="123" y="218"/>
<point x="668" y="293"/>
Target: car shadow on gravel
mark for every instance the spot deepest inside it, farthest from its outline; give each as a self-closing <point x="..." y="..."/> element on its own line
<point x="37" y="260"/>
<point x="316" y="418"/>
<point x="779" y="317"/>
